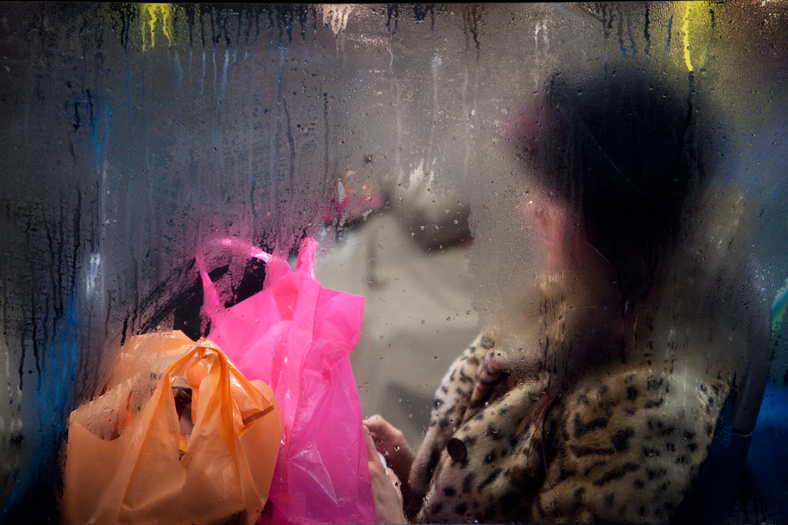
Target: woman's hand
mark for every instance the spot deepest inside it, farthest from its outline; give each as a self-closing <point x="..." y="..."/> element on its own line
<point x="386" y="487"/>
<point x="390" y="442"/>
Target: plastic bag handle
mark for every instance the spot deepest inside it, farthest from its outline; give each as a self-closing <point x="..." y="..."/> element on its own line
<point x="241" y="246"/>
<point x="204" y="349"/>
<point x="209" y="289"/>
<point x="305" y="262"/>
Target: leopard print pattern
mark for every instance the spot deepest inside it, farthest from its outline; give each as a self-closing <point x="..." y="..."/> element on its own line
<point x="627" y="446"/>
<point x="621" y="445"/>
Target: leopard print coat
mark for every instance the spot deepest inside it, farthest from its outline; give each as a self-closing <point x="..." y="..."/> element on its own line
<point x="622" y="445"/>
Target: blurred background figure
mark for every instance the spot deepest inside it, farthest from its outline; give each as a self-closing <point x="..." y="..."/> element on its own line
<point x="408" y="257"/>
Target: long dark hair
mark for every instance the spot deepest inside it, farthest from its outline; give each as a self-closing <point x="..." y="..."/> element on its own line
<point x="623" y="154"/>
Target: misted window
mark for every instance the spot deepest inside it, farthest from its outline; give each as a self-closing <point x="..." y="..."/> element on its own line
<point x="394" y="262"/>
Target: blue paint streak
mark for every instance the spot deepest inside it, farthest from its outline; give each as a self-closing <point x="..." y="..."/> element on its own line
<point x="55" y="385"/>
<point x="53" y="404"/>
<point x="94" y="118"/>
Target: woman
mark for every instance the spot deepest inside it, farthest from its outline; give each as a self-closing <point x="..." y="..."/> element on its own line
<point x="598" y="399"/>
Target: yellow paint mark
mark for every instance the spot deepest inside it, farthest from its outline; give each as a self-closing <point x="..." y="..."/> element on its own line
<point x="685" y="29"/>
<point x="696" y="33"/>
<point x="149" y="15"/>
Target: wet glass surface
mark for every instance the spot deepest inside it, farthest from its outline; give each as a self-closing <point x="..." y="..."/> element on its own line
<point x="451" y="160"/>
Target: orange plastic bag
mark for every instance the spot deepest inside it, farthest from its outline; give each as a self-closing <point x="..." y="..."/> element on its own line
<point x="127" y="460"/>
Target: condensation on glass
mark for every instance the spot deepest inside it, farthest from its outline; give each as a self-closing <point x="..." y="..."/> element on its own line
<point x="422" y="146"/>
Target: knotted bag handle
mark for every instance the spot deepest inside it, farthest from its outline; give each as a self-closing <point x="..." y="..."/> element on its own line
<point x="207" y="351"/>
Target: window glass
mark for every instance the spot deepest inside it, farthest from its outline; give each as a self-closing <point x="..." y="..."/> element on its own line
<point x="597" y="189"/>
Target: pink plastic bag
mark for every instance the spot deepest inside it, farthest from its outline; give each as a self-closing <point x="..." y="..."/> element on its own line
<point x="296" y="337"/>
